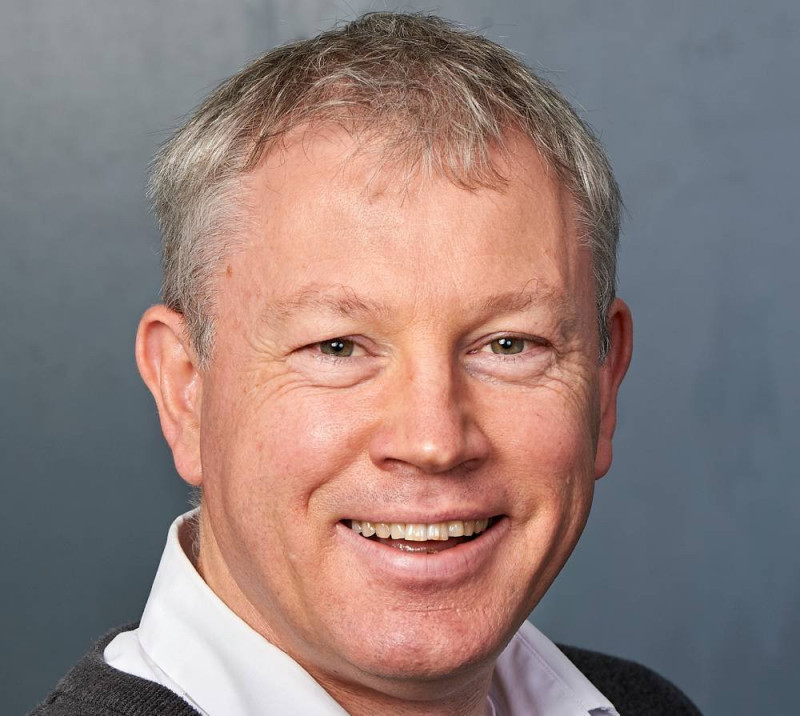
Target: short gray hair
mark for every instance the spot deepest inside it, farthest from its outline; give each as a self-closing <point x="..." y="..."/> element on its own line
<point x="436" y="95"/>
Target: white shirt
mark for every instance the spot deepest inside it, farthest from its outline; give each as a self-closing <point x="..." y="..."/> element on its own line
<point x="189" y="641"/>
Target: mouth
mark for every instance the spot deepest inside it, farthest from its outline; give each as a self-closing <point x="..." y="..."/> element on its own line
<point x="422" y="538"/>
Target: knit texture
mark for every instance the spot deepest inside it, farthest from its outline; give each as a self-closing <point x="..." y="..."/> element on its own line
<point x="93" y="688"/>
<point x="634" y="689"/>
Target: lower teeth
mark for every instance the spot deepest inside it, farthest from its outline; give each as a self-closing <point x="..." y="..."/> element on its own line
<point x="428" y="547"/>
<point x="423" y="546"/>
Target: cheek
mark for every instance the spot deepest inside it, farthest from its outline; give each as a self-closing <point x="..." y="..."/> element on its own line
<point x="550" y="429"/>
<point x="273" y="452"/>
<point x="549" y="448"/>
<point x="311" y="438"/>
<point x="549" y="457"/>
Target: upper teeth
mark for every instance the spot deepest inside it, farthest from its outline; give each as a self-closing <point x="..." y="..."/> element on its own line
<point x="418" y="531"/>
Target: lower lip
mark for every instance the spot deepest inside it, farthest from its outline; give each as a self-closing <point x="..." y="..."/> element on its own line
<point x="452" y="565"/>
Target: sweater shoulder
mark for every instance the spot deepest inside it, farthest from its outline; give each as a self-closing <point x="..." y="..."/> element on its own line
<point x="93" y="688"/>
<point x="632" y="688"/>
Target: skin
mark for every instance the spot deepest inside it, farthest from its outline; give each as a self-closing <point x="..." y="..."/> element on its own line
<point x="421" y="279"/>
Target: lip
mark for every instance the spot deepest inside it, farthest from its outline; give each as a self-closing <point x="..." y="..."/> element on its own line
<point x="446" y="568"/>
<point x="427" y="518"/>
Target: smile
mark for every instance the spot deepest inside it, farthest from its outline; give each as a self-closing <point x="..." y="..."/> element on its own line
<point x="417" y="558"/>
<point x="421" y="537"/>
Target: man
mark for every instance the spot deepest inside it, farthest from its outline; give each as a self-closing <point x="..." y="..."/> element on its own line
<point x="388" y="356"/>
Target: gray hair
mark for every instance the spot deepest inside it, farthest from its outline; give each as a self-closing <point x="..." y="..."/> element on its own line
<point x="437" y="96"/>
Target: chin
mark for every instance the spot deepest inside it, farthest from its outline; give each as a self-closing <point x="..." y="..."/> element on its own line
<point x="427" y="645"/>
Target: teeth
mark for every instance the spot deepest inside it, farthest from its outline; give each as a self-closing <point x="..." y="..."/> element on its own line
<point x="438" y="531"/>
<point x="420" y="532"/>
<point x="455" y="529"/>
<point x="416" y="533"/>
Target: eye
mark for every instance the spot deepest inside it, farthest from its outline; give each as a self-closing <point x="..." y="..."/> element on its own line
<point x="508" y="345"/>
<point x="340" y="347"/>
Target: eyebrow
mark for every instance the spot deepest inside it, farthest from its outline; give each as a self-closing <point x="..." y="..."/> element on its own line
<point x="533" y="292"/>
<point x="344" y="301"/>
<point x="337" y="299"/>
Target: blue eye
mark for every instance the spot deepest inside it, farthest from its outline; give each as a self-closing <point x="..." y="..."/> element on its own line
<point x="337" y="347"/>
<point x="507" y="345"/>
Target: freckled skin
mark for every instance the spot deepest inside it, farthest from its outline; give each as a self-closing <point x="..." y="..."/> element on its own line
<point x="291" y="440"/>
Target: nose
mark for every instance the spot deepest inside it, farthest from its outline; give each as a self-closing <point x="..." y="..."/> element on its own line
<point x="429" y="422"/>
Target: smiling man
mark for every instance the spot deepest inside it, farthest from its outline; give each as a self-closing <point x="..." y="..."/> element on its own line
<point x="388" y="355"/>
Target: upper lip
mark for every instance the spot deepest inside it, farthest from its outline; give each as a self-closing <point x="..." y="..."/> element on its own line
<point x="429" y="518"/>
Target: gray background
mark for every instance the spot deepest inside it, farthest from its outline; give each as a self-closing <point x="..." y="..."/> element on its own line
<point x="689" y="560"/>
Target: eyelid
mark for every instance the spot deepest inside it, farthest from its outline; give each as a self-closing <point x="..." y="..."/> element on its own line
<point x="533" y="341"/>
<point x="359" y="348"/>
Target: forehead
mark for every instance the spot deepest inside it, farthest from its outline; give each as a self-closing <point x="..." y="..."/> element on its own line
<point x="323" y="209"/>
<point x="385" y="168"/>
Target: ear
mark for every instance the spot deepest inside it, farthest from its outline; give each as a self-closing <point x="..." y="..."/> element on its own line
<point x="620" y="326"/>
<point x="169" y="368"/>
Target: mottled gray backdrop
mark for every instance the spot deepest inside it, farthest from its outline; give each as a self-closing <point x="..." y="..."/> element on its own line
<point x="689" y="563"/>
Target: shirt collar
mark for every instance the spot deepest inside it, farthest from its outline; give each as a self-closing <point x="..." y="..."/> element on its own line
<point x="533" y="676"/>
<point x="223" y="665"/>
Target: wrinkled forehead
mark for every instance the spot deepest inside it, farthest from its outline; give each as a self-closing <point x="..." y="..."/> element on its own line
<point x="329" y="176"/>
<point x="341" y="191"/>
<point x="322" y="192"/>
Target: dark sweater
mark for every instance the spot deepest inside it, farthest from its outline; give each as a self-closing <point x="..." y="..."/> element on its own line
<point x="93" y="688"/>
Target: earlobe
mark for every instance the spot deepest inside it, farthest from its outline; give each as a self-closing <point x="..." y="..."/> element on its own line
<point x="168" y="367"/>
<point x="620" y="325"/>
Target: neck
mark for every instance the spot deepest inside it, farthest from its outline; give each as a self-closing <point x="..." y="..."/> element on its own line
<point x="462" y="695"/>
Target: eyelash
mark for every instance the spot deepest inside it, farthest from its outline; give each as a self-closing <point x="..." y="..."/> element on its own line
<point x="316" y="348"/>
<point x="530" y="341"/>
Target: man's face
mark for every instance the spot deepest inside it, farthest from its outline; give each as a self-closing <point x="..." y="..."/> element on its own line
<point x="397" y="353"/>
